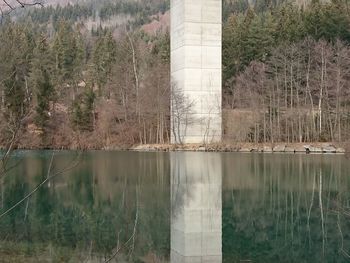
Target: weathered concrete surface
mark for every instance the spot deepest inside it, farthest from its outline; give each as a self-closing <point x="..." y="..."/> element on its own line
<point x="279" y="148"/>
<point x="196" y="208"/>
<point x="196" y="68"/>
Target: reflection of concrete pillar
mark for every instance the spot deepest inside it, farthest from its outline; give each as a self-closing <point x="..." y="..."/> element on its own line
<point x="196" y="207"/>
<point x="196" y="67"/>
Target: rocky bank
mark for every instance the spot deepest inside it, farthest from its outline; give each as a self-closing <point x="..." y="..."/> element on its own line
<point x="319" y="148"/>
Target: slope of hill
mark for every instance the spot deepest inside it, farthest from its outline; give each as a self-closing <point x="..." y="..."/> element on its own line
<point x="94" y="14"/>
<point x="89" y="77"/>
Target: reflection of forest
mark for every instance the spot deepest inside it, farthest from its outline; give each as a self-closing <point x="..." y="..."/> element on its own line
<point x="272" y="208"/>
<point x="282" y="208"/>
<point x="89" y="211"/>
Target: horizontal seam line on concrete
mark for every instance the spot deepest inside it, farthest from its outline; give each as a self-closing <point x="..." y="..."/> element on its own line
<point x="200" y="22"/>
<point x="174" y="71"/>
<point x="174" y="49"/>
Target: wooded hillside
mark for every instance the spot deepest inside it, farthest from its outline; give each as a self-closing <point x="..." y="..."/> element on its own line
<point x="90" y="75"/>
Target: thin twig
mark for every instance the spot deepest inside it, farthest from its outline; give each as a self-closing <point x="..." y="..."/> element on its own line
<point x="310" y="208"/>
<point x="136" y="220"/>
<point x="9" y="8"/>
<point x="132" y="237"/>
<point x="322" y="215"/>
<point x="41" y="184"/>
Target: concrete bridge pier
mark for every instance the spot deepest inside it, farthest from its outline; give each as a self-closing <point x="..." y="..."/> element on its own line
<point x="196" y="40"/>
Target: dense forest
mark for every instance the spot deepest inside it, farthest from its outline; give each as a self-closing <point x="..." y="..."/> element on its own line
<point x="65" y="84"/>
<point x="286" y="71"/>
<point x="139" y="11"/>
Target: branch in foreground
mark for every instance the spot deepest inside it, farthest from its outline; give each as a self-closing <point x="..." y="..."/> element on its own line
<point x="49" y="177"/>
<point x="12" y="5"/>
<point x="8" y="6"/>
<point x="132" y="237"/>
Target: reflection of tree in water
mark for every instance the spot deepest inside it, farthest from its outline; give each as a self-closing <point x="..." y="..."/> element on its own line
<point x="14" y="223"/>
<point x="190" y="171"/>
<point x="182" y="184"/>
<point x="44" y="201"/>
<point x="294" y="213"/>
<point x="72" y="218"/>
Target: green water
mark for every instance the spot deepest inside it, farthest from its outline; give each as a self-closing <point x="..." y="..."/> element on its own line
<point x="121" y="205"/>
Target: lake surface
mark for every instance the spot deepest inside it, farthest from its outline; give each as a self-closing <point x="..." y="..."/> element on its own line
<point x="175" y="207"/>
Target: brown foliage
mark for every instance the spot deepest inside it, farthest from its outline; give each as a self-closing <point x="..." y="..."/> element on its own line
<point x="299" y="95"/>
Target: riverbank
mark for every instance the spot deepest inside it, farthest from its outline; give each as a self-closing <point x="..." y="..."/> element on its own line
<point x="320" y="148"/>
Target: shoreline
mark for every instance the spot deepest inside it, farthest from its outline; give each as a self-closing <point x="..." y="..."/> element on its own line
<point x="312" y="148"/>
<point x="306" y="148"/>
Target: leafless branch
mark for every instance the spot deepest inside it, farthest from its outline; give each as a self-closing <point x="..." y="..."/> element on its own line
<point x="8" y="6"/>
<point x="182" y="113"/>
<point x="49" y="177"/>
<point x="132" y="237"/>
<point x="13" y="4"/>
<point x="13" y="126"/>
<point x="342" y="250"/>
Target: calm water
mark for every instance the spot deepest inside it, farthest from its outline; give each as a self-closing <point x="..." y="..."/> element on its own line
<point x="176" y="207"/>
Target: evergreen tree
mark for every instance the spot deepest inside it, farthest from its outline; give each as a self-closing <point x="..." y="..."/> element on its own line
<point x="103" y="58"/>
<point x="328" y="21"/>
<point x="161" y="47"/>
<point x="83" y="111"/>
<point x="15" y="96"/>
<point x="289" y="19"/>
<point x="260" y="39"/>
<point x="69" y="53"/>
<point x="16" y="51"/>
<point x="42" y="83"/>
<point x="233" y="34"/>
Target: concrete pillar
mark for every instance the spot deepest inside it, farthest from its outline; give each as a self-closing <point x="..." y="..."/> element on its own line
<point x="196" y="70"/>
<point x="196" y="208"/>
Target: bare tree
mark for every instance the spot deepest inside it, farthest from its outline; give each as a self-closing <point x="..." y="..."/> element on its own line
<point x="214" y="111"/>
<point x="298" y="95"/>
<point x="181" y="113"/>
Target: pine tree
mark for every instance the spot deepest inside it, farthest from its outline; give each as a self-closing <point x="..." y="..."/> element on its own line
<point x="17" y="51"/>
<point x="232" y="37"/>
<point x="161" y="47"/>
<point x="15" y="96"/>
<point x="103" y="59"/>
<point x="83" y="111"/>
<point x="289" y="19"/>
<point x="327" y="21"/>
<point x="260" y="39"/>
<point x="42" y="83"/>
<point x="69" y="53"/>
